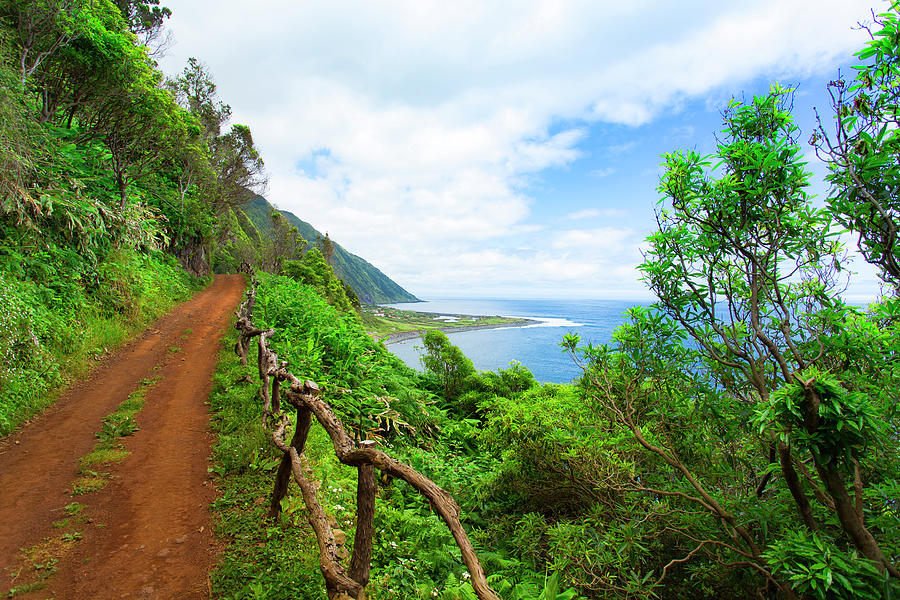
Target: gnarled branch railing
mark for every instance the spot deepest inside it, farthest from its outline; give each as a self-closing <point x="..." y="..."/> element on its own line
<point x="341" y="583"/>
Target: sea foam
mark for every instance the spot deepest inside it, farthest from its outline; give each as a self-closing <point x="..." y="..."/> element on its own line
<point x="546" y="321"/>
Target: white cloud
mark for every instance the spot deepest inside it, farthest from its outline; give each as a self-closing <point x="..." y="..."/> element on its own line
<point x="625" y="148"/>
<point x="606" y="239"/>
<point x="579" y="215"/>
<point x="601" y="173"/>
<point x="426" y="122"/>
<point x="683" y="132"/>
<point x="595" y="213"/>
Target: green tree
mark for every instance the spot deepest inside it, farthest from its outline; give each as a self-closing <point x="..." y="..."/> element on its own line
<point x="23" y="145"/>
<point x="145" y="18"/>
<point x="747" y="270"/>
<point x="284" y="243"/>
<point x="314" y="270"/>
<point x="195" y="90"/>
<point x="863" y="151"/>
<point x="447" y="364"/>
<point x="233" y="167"/>
<point x="326" y="246"/>
<point x="140" y="128"/>
<point x="42" y="28"/>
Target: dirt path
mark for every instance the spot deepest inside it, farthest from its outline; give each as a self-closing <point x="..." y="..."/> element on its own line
<point x="147" y="534"/>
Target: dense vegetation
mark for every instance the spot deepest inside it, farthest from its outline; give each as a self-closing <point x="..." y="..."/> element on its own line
<point x="91" y="214"/>
<point x="377" y="397"/>
<point x="739" y="438"/>
<point x="111" y="178"/>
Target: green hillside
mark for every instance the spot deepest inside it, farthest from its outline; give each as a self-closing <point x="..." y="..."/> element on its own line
<point x="370" y="284"/>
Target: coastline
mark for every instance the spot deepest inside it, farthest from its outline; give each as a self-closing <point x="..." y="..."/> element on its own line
<point x="402" y="336"/>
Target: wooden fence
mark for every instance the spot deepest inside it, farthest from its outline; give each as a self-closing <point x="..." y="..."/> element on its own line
<point x="280" y="386"/>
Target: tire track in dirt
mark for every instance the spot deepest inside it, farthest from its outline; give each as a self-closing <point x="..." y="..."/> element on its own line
<point x="148" y="534"/>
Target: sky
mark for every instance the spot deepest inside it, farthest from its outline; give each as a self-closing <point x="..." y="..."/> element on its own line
<point x="503" y="149"/>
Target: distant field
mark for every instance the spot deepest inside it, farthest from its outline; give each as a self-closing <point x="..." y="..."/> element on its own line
<point x="382" y="321"/>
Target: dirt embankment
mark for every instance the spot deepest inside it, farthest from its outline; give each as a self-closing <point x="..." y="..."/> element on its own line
<point x="147" y="533"/>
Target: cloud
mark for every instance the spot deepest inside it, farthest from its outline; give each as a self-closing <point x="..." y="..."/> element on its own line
<point x="413" y="133"/>
<point x="683" y="132"/>
<point x="607" y="239"/>
<point x="592" y="213"/>
<point x="601" y="173"/>
<point x="617" y="149"/>
<point x="579" y="215"/>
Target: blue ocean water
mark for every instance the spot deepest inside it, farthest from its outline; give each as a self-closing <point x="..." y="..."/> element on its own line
<point x="536" y="346"/>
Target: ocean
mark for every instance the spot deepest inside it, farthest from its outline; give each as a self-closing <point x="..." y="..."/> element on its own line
<point x="535" y="346"/>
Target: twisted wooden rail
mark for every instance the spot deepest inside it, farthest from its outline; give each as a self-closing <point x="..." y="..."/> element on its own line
<point x="341" y="583"/>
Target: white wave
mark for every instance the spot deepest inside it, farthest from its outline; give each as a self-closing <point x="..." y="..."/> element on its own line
<point x="546" y="321"/>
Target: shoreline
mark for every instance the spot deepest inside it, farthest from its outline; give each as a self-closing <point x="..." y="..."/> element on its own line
<point x="402" y="336"/>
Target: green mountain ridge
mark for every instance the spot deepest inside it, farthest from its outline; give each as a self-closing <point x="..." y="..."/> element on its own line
<point x="370" y="284"/>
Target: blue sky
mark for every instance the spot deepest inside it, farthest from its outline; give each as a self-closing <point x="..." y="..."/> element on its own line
<point x="501" y="149"/>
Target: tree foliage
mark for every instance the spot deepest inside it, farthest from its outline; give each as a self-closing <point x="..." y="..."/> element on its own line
<point x="863" y="151"/>
<point x="446" y="363"/>
<point x="313" y="270"/>
<point x="745" y="331"/>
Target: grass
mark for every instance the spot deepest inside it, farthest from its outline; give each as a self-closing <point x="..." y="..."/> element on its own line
<point x="263" y="559"/>
<point x="72" y="333"/>
<point x="383" y="320"/>
<point x="38" y="563"/>
<point x="89" y="481"/>
<point x="101" y="456"/>
<point x="109" y="449"/>
<point x="74" y="508"/>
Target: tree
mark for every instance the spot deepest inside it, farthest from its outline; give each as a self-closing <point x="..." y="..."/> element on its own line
<point x="327" y="248"/>
<point x="43" y="27"/>
<point x="140" y="128"/>
<point x="313" y="270"/>
<point x="863" y="152"/>
<point x="195" y="90"/>
<point x="236" y="167"/>
<point x="283" y="243"/>
<point x="748" y="271"/>
<point x="145" y="18"/>
<point x="94" y="57"/>
<point x="22" y="146"/>
<point x="447" y="363"/>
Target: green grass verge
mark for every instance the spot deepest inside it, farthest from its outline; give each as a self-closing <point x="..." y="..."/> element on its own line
<point x="50" y="337"/>
<point x="262" y="559"/>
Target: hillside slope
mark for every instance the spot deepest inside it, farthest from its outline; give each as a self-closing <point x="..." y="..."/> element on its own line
<point x="370" y="284"/>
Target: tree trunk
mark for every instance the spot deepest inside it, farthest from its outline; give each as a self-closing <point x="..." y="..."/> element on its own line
<point x="365" y="519"/>
<point x="851" y="520"/>
<point x="123" y="190"/>
<point x="795" y="487"/>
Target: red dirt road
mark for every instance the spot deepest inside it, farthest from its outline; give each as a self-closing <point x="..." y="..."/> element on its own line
<point x="147" y="534"/>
